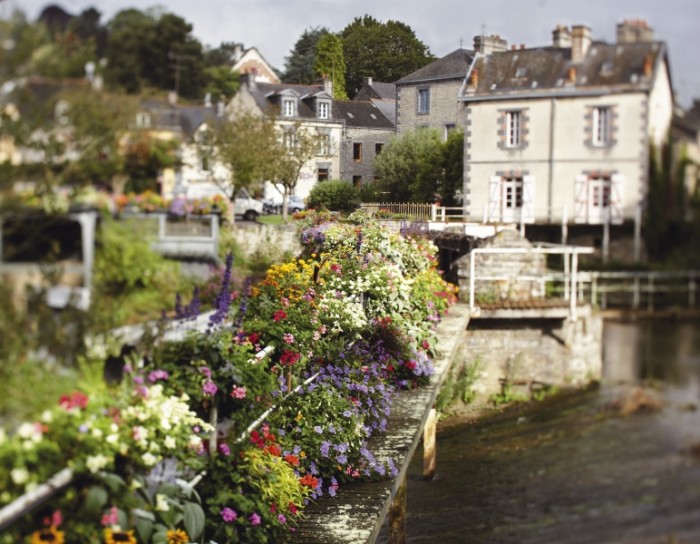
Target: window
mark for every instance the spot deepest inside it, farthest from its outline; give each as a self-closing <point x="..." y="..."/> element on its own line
<point x="322" y="110"/>
<point x="288" y="108"/>
<point x="357" y="152"/>
<point x="512" y="196"/>
<point x="322" y="174"/>
<point x="423" y="100"/>
<point x="378" y="149"/>
<point x="449" y="127"/>
<point x="143" y="120"/>
<point x="602" y="118"/>
<point x="513" y="129"/>
<point x="324" y="144"/>
<point x="357" y="182"/>
<point x="289" y="139"/>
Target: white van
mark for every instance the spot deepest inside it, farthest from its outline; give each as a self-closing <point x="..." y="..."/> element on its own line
<point x="244" y="205"/>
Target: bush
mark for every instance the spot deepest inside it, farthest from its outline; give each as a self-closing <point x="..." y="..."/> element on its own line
<point x="335" y="196"/>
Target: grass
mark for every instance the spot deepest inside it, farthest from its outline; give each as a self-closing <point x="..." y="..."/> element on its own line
<point x="272" y="220"/>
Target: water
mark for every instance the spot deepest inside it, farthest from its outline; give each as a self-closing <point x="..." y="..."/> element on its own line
<point x="573" y="468"/>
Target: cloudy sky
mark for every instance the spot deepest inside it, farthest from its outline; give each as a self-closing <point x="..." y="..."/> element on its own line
<point x="273" y="26"/>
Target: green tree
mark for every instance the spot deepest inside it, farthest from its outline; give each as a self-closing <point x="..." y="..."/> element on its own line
<point x="221" y="55"/>
<point x="410" y="166"/>
<point x="222" y="82"/>
<point x="245" y="144"/>
<point x="385" y="51"/>
<point x="130" y="32"/>
<point x="451" y="181"/>
<point x="331" y="63"/>
<point x="299" y="65"/>
<point x="290" y="153"/>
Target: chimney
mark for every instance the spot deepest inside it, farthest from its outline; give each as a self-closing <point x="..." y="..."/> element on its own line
<point x="248" y="80"/>
<point x="648" y="67"/>
<point x="327" y="84"/>
<point x="366" y="81"/>
<point x="237" y="53"/>
<point x="634" y="31"/>
<point x="561" y="37"/>
<point x="474" y="78"/>
<point x="490" y="44"/>
<point x="580" y="42"/>
<point x="571" y="75"/>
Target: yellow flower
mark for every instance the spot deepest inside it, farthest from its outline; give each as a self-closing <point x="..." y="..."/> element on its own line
<point x="178" y="536"/>
<point x="115" y="536"/>
<point x="50" y="534"/>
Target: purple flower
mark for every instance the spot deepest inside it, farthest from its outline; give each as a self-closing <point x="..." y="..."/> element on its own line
<point x="229" y="515"/>
<point x="318" y="429"/>
<point x="206" y="371"/>
<point x="325" y="447"/>
<point x="224" y="449"/>
<point x="254" y="519"/>
<point x="209" y="388"/>
<point x="156" y="375"/>
<point x="281" y="519"/>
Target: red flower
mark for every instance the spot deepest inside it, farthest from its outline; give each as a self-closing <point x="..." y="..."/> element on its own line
<point x="309" y="481"/>
<point x="292" y="460"/>
<point x="411" y="365"/>
<point x="289" y="358"/>
<point x="279" y="315"/>
<point x="273" y="449"/>
<point x="75" y="400"/>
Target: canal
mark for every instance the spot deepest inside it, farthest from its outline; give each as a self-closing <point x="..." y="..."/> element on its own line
<point x="618" y="462"/>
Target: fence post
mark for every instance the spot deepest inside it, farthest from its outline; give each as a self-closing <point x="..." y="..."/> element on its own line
<point x="594" y="289"/>
<point x="650" y="301"/>
<point x="606" y="235"/>
<point x="635" y="294"/>
<point x="564" y="225"/>
<point x="433" y="212"/>
<point x="429" y="444"/>
<point x="567" y="273"/>
<point x="472" y="268"/>
<point x="574" y="280"/>
<point x="397" y="516"/>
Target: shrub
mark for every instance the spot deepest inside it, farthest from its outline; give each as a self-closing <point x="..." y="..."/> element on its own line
<point x="336" y="196"/>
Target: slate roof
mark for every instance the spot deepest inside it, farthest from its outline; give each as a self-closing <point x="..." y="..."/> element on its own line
<point x="185" y="118"/>
<point x="689" y="121"/>
<point x="377" y="90"/>
<point x="361" y="114"/>
<point x="608" y="67"/>
<point x="451" y="66"/>
<point x="267" y="95"/>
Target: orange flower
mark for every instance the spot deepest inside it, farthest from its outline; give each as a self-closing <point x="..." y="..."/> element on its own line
<point x="115" y="536"/>
<point x="177" y="536"/>
<point x="50" y="534"/>
<point x="309" y="480"/>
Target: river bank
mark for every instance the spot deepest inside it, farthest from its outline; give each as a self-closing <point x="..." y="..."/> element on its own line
<point x="615" y="462"/>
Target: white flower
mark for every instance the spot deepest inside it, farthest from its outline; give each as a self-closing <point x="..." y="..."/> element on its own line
<point x="96" y="462"/>
<point x="97" y="433"/>
<point x="169" y="443"/>
<point x="3" y="436"/>
<point x="112" y="438"/>
<point x="19" y="475"/>
<point x="47" y="416"/>
<point x="162" y="503"/>
<point x="149" y="459"/>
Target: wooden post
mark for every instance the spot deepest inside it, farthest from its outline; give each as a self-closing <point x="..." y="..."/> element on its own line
<point x="429" y="460"/>
<point x="397" y="516"/>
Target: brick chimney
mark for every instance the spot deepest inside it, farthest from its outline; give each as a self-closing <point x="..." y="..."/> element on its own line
<point x="327" y="84"/>
<point x="366" y="81"/>
<point x="634" y="31"/>
<point x="490" y="44"/>
<point x="580" y="42"/>
<point x="561" y="37"/>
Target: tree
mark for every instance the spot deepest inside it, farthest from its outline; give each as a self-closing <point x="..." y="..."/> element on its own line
<point x="221" y="55"/>
<point x="297" y="146"/>
<point x="385" y="51"/>
<point x="411" y="166"/>
<point x="452" y="178"/>
<point x="299" y="65"/>
<point x="245" y="145"/>
<point x="222" y="82"/>
<point x="154" y="49"/>
<point x="331" y="63"/>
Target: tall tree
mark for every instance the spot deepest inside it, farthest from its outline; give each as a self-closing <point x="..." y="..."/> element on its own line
<point x="385" y="51"/>
<point x="330" y="62"/>
<point x="299" y="65"/>
<point x="297" y="146"/>
<point x="245" y="145"/>
<point x="130" y="32"/>
<point x="410" y="166"/>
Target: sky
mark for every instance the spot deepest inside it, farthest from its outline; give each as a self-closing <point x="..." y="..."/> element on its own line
<point x="274" y="26"/>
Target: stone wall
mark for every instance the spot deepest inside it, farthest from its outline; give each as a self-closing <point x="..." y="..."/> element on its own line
<point x="553" y="352"/>
<point x="273" y="240"/>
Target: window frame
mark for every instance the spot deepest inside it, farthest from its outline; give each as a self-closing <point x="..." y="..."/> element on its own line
<point x="601" y="135"/>
<point x="357" y="151"/>
<point x="423" y="101"/>
<point x="288" y="107"/>
<point x="323" y="109"/>
<point x="513" y="129"/>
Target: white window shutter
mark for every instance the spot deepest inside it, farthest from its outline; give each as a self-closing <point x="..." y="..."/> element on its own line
<point x="528" y="199"/>
<point x="616" y="198"/>
<point x="581" y="199"/>
<point x="495" y="199"/>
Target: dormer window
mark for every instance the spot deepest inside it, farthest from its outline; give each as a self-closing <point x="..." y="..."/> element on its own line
<point x="322" y="110"/>
<point x="288" y="107"/>
<point x="143" y="120"/>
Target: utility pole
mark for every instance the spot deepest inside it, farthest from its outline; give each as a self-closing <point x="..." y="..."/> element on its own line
<point x="178" y="57"/>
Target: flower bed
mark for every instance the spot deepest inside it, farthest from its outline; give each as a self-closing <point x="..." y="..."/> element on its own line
<point x="351" y="321"/>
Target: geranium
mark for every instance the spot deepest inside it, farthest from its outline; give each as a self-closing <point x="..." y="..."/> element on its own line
<point x="229" y="515"/>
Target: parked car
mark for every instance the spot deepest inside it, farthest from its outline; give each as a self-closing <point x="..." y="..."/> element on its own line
<point x="274" y="205"/>
<point x="244" y="205"/>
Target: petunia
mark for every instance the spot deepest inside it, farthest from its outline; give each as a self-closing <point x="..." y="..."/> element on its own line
<point x="229" y="515"/>
<point x="254" y="519"/>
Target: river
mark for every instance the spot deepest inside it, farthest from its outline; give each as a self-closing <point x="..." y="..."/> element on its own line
<point x="615" y="463"/>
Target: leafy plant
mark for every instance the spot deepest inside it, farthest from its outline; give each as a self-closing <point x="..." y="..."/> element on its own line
<point x="337" y="196"/>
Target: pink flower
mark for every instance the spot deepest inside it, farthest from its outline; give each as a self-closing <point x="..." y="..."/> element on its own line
<point x="288" y="338"/>
<point x="229" y="515"/>
<point x="110" y="518"/>
<point x="254" y="519"/>
<point x="238" y="392"/>
<point x="224" y="449"/>
<point x="281" y="519"/>
<point x="158" y="375"/>
<point x="209" y="388"/>
<point x="206" y="371"/>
